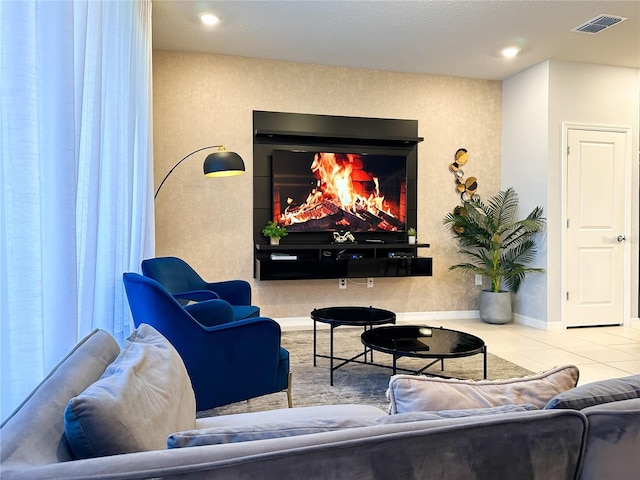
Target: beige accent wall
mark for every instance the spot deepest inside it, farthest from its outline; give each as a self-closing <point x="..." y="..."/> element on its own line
<point x="202" y="99"/>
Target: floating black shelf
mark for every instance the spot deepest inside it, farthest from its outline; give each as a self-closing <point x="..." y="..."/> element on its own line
<point x="304" y="137"/>
<point x="339" y="246"/>
<point x="324" y="261"/>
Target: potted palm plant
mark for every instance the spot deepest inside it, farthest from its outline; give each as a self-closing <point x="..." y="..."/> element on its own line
<point x="274" y="231"/>
<point x="497" y="246"/>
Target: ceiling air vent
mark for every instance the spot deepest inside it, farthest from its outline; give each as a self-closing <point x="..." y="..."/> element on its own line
<point x="598" y="24"/>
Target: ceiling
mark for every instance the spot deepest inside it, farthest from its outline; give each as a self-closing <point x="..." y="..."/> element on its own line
<point x="459" y="38"/>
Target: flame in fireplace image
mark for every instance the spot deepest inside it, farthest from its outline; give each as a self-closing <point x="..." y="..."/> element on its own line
<point x="343" y="192"/>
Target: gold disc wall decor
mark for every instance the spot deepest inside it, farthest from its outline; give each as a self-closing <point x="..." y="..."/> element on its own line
<point x="471" y="184"/>
<point x="467" y="188"/>
<point x="462" y="156"/>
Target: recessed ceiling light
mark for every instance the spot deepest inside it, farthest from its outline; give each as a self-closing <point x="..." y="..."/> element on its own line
<point x="510" y="52"/>
<point x="209" y="18"/>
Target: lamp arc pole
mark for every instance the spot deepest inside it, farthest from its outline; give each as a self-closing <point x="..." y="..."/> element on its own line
<point x="218" y="164"/>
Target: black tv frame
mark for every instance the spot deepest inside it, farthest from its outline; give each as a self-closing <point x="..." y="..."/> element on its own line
<point x="286" y="131"/>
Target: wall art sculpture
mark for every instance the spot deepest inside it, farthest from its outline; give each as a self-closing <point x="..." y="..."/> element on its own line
<point x="466" y="187"/>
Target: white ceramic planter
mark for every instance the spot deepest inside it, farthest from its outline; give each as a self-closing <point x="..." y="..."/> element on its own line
<point x="275" y="240"/>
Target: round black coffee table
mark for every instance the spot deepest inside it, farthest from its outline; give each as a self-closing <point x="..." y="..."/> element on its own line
<point x="347" y="316"/>
<point x="421" y="341"/>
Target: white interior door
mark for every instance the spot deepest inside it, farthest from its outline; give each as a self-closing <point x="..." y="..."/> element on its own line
<point x="596" y="219"/>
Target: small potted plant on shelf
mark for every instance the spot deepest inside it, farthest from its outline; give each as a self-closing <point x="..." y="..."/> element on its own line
<point x="274" y="232"/>
<point x="497" y="246"/>
<point x="411" y="235"/>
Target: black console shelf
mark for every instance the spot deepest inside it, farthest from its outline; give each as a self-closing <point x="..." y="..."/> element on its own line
<point x="323" y="261"/>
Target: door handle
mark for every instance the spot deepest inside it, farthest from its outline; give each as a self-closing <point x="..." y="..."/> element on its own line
<point x="621" y="238"/>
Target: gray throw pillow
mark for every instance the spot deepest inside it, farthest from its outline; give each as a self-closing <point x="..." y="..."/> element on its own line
<point x="417" y="393"/>
<point x="143" y="396"/>
<point x="274" y="429"/>
<point x="596" y="393"/>
<point x="300" y="426"/>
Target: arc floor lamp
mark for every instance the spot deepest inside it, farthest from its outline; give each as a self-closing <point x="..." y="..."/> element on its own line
<point x="222" y="163"/>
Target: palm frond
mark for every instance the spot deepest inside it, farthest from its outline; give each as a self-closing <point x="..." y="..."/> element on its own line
<point x="495" y="243"/>
<point x="504" y="206"/>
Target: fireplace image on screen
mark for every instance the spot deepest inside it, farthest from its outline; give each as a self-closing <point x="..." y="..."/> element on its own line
<point x="316" y="191"/>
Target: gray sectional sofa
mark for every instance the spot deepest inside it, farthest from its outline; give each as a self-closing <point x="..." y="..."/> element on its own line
<point x="106" y="413"/>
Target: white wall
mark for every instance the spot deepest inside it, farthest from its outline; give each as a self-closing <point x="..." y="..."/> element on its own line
<point x="598" y="95"/>
<point x="535" y="105"/>
<point x="525" y="100"/>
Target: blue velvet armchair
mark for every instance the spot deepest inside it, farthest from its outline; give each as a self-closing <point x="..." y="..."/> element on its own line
<point x="227" y="360"/>
<point x="184" y="283"/>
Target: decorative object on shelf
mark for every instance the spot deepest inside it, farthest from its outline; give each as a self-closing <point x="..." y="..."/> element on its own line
<point x="411" y="233"/>
<point x="467" y="188"/>
<point x="222" y="163"/>
<point x="343" y="237"/>
<point x="498" y="246"/>
<point x="274" y="232"/>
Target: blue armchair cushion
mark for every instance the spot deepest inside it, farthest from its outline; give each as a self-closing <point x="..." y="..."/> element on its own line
<point x="597" y="393"/>
<point x="211" y="312"/>
<point x="142" y="397"/>
<point x="245" y="311"/>
<point x="225" y="311"/>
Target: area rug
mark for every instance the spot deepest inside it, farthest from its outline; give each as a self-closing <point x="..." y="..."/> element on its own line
<point x="353" y="382"/>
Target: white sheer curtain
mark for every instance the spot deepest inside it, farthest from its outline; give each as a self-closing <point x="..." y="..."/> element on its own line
<point x="76" y="207"/>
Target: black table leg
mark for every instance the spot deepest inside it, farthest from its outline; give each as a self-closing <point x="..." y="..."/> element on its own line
<point x="484" y="353"/>
<point x="331" y="358"/>
<point x="364" y="329"/>
<point x="314" y="343"/>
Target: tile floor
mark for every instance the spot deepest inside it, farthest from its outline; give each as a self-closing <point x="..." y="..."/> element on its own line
<point x="599" y="352"/>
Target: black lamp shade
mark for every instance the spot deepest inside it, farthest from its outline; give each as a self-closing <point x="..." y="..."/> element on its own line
<point x="223" y="164"/>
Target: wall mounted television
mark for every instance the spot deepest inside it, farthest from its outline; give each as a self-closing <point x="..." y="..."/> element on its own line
<point x="321" y="190"/>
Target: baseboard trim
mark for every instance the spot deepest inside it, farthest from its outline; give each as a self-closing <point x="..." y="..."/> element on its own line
<point x="305" y="323"/>
<point x="537" y="323"/>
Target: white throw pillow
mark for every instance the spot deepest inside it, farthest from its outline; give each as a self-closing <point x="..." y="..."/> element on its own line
<point x="416" y="393"/>
<point x="142" y="397"/>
